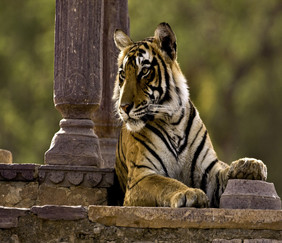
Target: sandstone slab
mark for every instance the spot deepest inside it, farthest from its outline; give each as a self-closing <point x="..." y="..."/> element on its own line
<point x="208" y="218"/>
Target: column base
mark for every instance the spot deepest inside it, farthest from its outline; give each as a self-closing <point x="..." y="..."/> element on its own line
<point x="74" y="144"/>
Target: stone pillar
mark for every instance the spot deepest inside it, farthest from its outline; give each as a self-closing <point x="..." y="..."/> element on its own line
<point x="106" y="124"/>
<point x="77" y="81"/>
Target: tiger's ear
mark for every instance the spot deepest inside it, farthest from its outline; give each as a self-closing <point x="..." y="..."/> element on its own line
<point x="122" y="40"/>
<point x="166" y="39"/>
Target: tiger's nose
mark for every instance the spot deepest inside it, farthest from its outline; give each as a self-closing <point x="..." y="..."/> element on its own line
<point x="126" y="107"/>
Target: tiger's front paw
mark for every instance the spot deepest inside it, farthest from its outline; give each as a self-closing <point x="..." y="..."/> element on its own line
<point x="247" y="168"/>
<point x="191" y="197"/>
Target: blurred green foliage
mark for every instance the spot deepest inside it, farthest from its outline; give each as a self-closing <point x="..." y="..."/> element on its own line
<point x="230" y="52"/>
<point x="28" y="119"/>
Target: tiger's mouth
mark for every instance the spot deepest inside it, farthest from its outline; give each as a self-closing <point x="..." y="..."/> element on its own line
<point x="136" y="121"/>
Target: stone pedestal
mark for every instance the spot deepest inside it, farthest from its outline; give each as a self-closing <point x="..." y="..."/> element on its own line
<point x="253" y="194"/>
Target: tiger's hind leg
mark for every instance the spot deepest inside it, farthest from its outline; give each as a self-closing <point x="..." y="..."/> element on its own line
<point x="247" y="168"/>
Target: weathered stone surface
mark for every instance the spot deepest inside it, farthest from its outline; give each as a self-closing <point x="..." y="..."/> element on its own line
<point x="18" y="172"/>
<point x="6" y="156"/>
<point x="57" y="195"/>
<point x="9" y="217"/>
<point x="53" y="212"/>
<point x="186" y="218"/>
<point x="87" y="176"/>
<point x="18" y="194"/>
<point x="253" y="194"/>
<point x="262" y="241"/>
<point x="246" y="241"/>
<point x="227" y="241"/>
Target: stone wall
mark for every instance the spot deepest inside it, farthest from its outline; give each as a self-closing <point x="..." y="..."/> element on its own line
<point x="130" y="224"/>
<point x="25" y="190"/>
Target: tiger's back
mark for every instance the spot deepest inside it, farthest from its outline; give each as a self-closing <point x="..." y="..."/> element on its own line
<point x="164" y="154"/>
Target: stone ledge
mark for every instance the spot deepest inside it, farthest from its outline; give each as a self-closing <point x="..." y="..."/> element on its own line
<point x="18" y="172"/>
<point x="209" y="218"/>
<point x="9" y="216"/>
<point x="58" y="175"/>
<point x="65" y="175"/>
<point x="52" y="212"/>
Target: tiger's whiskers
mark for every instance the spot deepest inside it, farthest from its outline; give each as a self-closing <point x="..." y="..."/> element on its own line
<point x="155" y="108"/>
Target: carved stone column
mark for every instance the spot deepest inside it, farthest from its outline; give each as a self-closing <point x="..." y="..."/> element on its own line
<point x="106" y="124"/>
<point x="77" y="81"/>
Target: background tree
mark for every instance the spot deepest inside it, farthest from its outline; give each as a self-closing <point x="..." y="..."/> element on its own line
<point x="230" y="51"/>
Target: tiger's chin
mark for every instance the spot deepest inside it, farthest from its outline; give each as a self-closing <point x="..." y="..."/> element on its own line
<point x="134" y="125"/>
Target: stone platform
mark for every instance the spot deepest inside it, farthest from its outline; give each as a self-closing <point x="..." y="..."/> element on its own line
<point x="137" y="224"/>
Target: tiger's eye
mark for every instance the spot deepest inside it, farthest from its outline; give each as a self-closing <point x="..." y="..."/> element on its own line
<point x="122" y="74"/>
<point x="145" y="71"/>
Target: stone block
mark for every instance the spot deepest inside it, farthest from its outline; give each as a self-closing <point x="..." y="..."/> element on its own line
<point x="53" y="212"/>
<point x="18" y="194"/>
<point x="6" y="157"/>
<point x="253" y="194"/>
<point x="9" y="217"/>
<point x="57" y="195"/>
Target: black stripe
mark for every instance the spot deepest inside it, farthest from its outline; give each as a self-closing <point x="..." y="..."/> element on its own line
<point x="153" y="153"/>
<point x="151" y="162"/>
<point x="120" y="145"/>
<point x="140" y="50"/>
<point x="196" y="136"/>
<point x="120" y="150"/>
<point x="167" y="135"/>
<point x="145" y="62"/>
<point x="161" y="136"/>
<point x="129" y="188"/>
<point x="145" y="45"/>
<point x="215" y="198"/>
<point x="180" y="118"/>
<point x="196" y="155"/>
<point x="205" y="154"/>
<point x="167" y="96"/>
<point x="140" y="166"/>
<point x="205" y="175"/>
<point x="159" y="88"/>
<point x="188" y="127"/>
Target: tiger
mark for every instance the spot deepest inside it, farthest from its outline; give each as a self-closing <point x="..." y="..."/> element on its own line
<point x="164" y="155"/>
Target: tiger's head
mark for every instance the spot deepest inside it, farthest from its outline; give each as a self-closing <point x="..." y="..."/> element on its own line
<point x="149" y="84"/>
